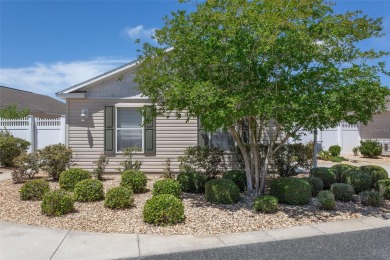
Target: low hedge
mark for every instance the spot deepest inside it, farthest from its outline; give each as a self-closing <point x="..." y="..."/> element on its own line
<point x="384" y="188"/>
<point x="70" y="177"/>
<point x="191" y="182"/>
<point x="167" y="186"/>
<point x="89" y="190"/>
<point x="293" y="191"/>
<point x="135" y="180"/>
<point x="119" y="198"/>
<point x="376" y="172"/>
<point x="34" y="190"/>
<point x="57" y="203"/>
<point x="316" y="185"/>
<point x="371" y="198"/>
<point x="327" y="200"/>
<point x="342" y="191"/>
<point x="163" y="209"/>
<point x="238" y="177"/>
<point x="359" y="180"/>
<point x="266" y="204"/>
<point x="327" y="175"/>
<point x="339" y="169"/>
<point x="222" y="191"/>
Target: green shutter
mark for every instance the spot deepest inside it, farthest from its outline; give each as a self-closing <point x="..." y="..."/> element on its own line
<point x="109" y="129"/>
<point x="203" y="139"/>
<point x="150" y="138"/>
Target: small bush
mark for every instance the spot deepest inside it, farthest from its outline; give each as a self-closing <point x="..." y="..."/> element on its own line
<point x="291" y="191"/>
<point x="128" y="164"/>
<point x="101" y="164"/>
<point x="135" y="180"/>
<point x="222" y="191"/>
<point x="26" y="165"/>
<point x="70" y="177"/>
<point x="359" y="180"/>
<point x="370" y="148"/>
<point x="316" y="185"/>
<point x="342" y="191"/>
<point x="89" y="190"/>
<point x="339" y="169"/>
<point x="327" y="200"/>
<point x="384" y="188"/>
<point x="191" y="182"/>
<point x="266" y="204"/>
<point x="34" y="190"/>
<point x="163" y="209"/>
<point x="10" y="148"/>
<point x="167" y="186"/>
<point x="335" y="150"/>
<point x="376" y="172"/>
<point x="119" y="198"/>
<point x="371" y="198"/>
<point x="355" y="151"/>
<point x="327" y="175"/>
<point x="167" y="172"/>
<point x="57" y="203"/>
<point x="56" y="158"/>
<point x="238" y="177"/>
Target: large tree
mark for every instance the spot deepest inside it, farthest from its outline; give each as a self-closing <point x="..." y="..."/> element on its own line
<point x="277" y="66"/>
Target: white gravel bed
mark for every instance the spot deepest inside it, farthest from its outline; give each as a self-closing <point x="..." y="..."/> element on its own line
<point x="202" y="217"/>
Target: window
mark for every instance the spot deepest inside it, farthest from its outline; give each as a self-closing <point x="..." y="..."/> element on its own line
<point x="129" y="130"/>
<point x="222" y="139"/>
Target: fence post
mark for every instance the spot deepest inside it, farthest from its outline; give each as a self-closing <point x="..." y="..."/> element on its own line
<point x="31" y="124"/>
<point x="340" y="136"/>
<point x="62" y="129"/>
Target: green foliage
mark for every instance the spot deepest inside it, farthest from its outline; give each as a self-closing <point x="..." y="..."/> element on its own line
<point x="13" y="112"/>
<point x="371" y="198"/>
<point x="327" y="156"/>
<point x="34" y="190"/>
<point x="327" y="200"/>
<point x="327" y="175"/>
<point x="292" y="156"/>
<point x="167" y="172"/>
<point x="370" y="148"/>
<point x="163" y="209"/>
<point x="316" y="185"/>
<point x="56" y="158"/>
<point x="101" y="164"/>
<point x="167" y="186"/>
<point x="384" y="188"/>
<point x="128" y="164"/>
<point x="355" y="151"/>
<point x="266" y="204"/>
<point x="191" y="181"/>
<point x="376" y="172"/>
<point x="342" y="191"/>
<point x="222" y="191"/>
<point x="339" y="169"/>
<point x="10" y="148"/>
<point x="26" y="165"/>
<point x="292" y="191"/>
<point x="119" y="198"/>
<point x="238" y="177"/>
<point x="70" y="177"/>
<point x="359" y="180"/>
<point x="208" y="161"/>
<point x="89" y="190"/>
<point x="335" y="150"/>
<point x="135" y="180"/>
<point x="57" y="203"/>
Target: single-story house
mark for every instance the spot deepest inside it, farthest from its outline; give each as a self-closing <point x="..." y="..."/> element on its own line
<point x="39" y="105"/>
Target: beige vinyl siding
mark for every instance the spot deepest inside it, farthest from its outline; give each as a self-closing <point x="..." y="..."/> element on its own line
<point x="86" y="138"/>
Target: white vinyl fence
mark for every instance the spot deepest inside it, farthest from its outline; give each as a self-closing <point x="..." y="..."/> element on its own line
<point x="40" y="132"/>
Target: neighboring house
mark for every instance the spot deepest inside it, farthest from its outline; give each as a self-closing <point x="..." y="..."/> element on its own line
<point x="39" y="105"/>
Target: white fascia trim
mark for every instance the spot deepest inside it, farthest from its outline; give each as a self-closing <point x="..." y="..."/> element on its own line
<point x="71" y="95"/>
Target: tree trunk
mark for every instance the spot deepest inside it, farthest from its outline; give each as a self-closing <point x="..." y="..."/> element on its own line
<point x="255" y="153"/>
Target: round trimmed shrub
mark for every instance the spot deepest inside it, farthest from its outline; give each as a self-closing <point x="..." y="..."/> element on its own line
<point x="238" y="177"/>
<point x="376" y="172"/>
<point x="167" y="186"/>
<point x="57" y="203"/>
<point x="119" y="198"/>
<point x="292" y="191"/>
<point x="384" y="188"/>
<point x="327" y="175"/>
<point x="335" y="150"/>
<point x="222" y="191"/>
<point x="339" y="169"/>
<point x="163" y="209"/>
<point x="326" y="199"/>
<point x="342" y="191"/>
<point x="34" y="190"/>
<point x="359" y="180"/>
<point x="266" y="204"/>
<point x="191" y="182"/>
<point x="70" y="177"/>
<point x="371" y="198"/>
<point x="316" y="185"/>
<point x="135" y="180"/>
<point x="89" y="190"/>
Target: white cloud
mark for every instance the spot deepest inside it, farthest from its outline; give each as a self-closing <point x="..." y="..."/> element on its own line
<point x="139" y="32"/>
<point x="47" y="79"/>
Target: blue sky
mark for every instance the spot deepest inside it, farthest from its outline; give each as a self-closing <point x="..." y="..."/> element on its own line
<point x="46" y="46"/>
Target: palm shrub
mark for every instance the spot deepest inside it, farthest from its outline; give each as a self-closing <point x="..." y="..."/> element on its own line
<point x="370" y="148"/>
<point x="222" y="191"/>
<point x="238" y="177"/>
<point x="289" y="190"/>
<point x="163" y="209"/>
<point x="119" y="198"/>
<point x="376" y="172"/>
<point x="70" y="177"/>
<point x="327" y="175"/>
<point x="167" y="186"/>
<point x="342" y="191"/>
<point x="56" y="158"/>
<point x="57" y="203"/>
<point x="327" y="200"/>
<point x="34" y="190"/>
<point x="191" y="181"/>
<point x="135" y="180"/>
<point x="316" y="185"/>
<point x="384" y="188"/>
<point x="266" y="204"/>
<point x="359" y="180"/>
<point x="371" y="198"/>
<point x="335" y="150"/>
<point x="339" y="169"/>
<point x="89" y="190"/>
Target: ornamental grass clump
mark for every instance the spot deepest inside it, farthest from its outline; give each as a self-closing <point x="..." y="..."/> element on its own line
<point x="316" y="185"/>
<point x="167" y="186"/>
<point x="163" y="209"/>
<point x="327" y="175"/>
<point x="238" y="177"/>
<point x="384" y="188"/>
<point x="135" y="180"/>
<point x="34" y="190"/>
<point x="222" y="191"/>
<point x="57" y="203"/>
<point x="371" y="198"/>
<point x="119" y="198"/>
<point x="376" y="172"/>
<point x="339" y="169"/>
<point x="89" y="190"/>
<point x="327" y="200"/>
<point x="342" y="191"/>
<point x="266" y="204"/>
<point x="292" y="191"/>
<point x="70" y="177"/>
<point x="192" y="181"/>
<point x="359" y="180"/>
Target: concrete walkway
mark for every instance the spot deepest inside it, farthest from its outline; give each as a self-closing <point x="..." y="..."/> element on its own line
<point x="30" y="242"/>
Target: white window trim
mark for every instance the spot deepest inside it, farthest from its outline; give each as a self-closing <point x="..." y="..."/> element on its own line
<point x="116" y="126"/>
